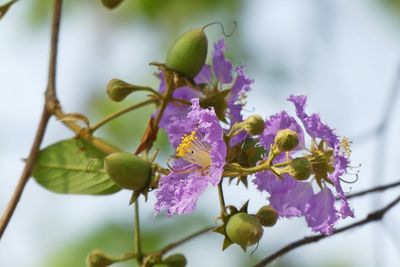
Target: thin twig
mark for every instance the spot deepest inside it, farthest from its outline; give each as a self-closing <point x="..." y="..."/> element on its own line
<point x="374" y="190"/>
<point x="50" y="103"/>
<point x="371" y="217"/>
<point x="184" y="240"/>
<point x="119" y="113"/>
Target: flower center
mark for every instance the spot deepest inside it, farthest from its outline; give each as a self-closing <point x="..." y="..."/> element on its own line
<point x="194" y="151"/>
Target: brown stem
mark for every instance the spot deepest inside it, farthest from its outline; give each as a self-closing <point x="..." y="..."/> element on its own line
<point x="371" y="217"/>
<point x="50" y="103"/>
<point x="374" y="190"/>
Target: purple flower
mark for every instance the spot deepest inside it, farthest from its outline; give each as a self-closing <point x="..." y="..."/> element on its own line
<point x="290" y="197"/>
<point x="318" y="130"/>
<point x="201" y="153"/>
<point x="227" y="77"/>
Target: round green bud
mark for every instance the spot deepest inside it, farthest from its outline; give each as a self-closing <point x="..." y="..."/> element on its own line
<point x="160" y="265"/>
<point x="117" y="89"/>
<point x="254" y="124"/>
<point x="286" y="140"/>
<point x="176" y="260"/>
<point x="111" y="4"/>
<point x="128" y="170"/>
<point x="98" y="259"/>
<point x="267" y="216"/>
<point x="300" y="168"/>
<point x="244" y="229"/>
<point x="188" y="54"/>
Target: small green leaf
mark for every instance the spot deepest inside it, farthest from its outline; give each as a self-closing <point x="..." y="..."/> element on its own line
<point x="73" y="166"/>
<point x="4" y="8"/>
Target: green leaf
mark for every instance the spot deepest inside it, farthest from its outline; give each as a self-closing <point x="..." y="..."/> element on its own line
<point x="73" y="166"/>
<point x="4" y="8"/>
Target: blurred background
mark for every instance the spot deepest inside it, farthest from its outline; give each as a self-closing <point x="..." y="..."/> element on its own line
<point x="343" y="54"/>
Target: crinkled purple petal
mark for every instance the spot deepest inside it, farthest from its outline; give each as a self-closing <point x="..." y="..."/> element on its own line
<point x="236" y="102"/>
<point x="239" y="88"/>
<point x="177" y="109"/>
<point x="269" y="182"/>
<point x="293" y="202"/>
<point x="312" y="123"/>
<point x="221" y="66"/>
<point x="204" y="76"/>
<point x="321" y="213"/>
<point x="278" y="122"/>
<point x="178" y="193"/>
<point x="341" y="163"/>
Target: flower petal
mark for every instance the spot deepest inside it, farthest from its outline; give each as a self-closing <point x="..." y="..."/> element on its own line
<point x="321" y="213"/>
<point x="293" y="202"/>
<point x="221" y="66"/>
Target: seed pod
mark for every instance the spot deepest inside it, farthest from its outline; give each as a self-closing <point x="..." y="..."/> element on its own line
<point x="128" y="170"/>
<point x="300" y="168"/>
<point x="286" y="140"/>
<point x="111" y="4"/>
<point x="176" y="260"/>
<point x="244" y="229"/>
<point x="188" y="54"/>
<point x="267" y="216"/>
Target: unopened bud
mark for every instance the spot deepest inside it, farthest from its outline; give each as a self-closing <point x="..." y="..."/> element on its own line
<point x="128" y="170"/>
<point x="286" y="140"/>
<point x="117" y="89"/>
<point x="244" y="229"/>
<point x="300" y="168"/>
<point x="98" y="259"/>
<point x="111" y="4"/>
<point x="176" y="260"/>
<point x="267" y="216"/>
<point x="254" y="124"/>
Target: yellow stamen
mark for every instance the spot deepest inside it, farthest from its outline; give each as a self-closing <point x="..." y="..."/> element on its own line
<point x="194" y="151"/>
<point x="345" y="146"/>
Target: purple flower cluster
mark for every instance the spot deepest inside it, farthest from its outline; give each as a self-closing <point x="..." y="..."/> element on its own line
<point x="290" y="197"/>
<point x="198" y="137"/>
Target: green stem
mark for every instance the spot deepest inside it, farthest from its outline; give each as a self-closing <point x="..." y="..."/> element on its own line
<point x="221" y="197"/>
<point x="119" y="113"/>
<point x="138" y="247"/>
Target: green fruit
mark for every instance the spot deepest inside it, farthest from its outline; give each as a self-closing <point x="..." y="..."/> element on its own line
<point x="111" y="4"/>
<point x="128" y="170"/>
<point x="176" y="260"/>
<point x="187" y="55"/>
<point x="244" y="229"/>
<point x="267" y="216"/>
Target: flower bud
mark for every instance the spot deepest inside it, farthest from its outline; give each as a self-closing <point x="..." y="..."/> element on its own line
<point x="244" y="229"/>
<point x="117" y="89"/>
<point x="286" y="140"/>
<point x="254" y="124"/>
<point x="188" y="54"/>
<point x="176" y="260"/>
<point x="300" y="168"/>
<point x="267" y="216"/>
<point x="128" y="170"/>
<point x="98" y="259"/>
<point x="111" y="4"/>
